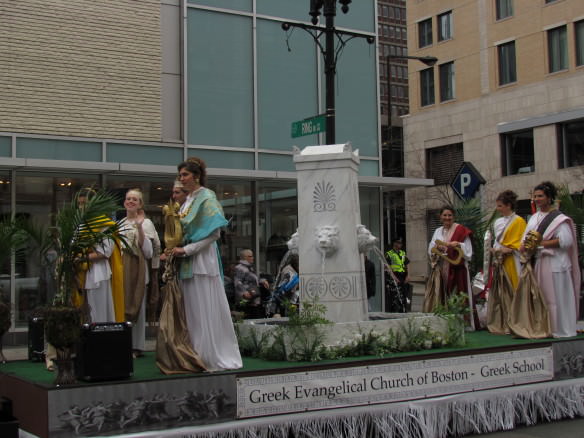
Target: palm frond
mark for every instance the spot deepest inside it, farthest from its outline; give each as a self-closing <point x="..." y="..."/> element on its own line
<point x="80" y="229"/>
<point x="470" y="214"/>
<point x="573" y="206"/>
<point x="12" y="237"/>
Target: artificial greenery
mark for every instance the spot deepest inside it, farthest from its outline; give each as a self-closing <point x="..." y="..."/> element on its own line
<point x="453" y="312"/>
<point x="252" y="345"/>
<point x="573" y="206"/>
<point x="304" y="334"/>
<point x="12" y="237"/>
<point x="303" y="338"/>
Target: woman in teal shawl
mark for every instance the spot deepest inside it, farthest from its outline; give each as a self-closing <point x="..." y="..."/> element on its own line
<point x="207" y="311"/>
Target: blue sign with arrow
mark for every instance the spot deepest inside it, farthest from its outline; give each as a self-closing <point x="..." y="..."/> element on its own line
<point x="467" y="181"/>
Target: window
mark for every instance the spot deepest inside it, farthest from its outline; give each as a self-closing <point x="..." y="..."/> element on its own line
<point x="425" y="33"/>
<point x="427" y="86"/>
<point x="579" y="35"/>
<point x="571" y="144"/>
<point x="507" y="67"/>
<point x="445" y="26"/>
<point x="517" y="152"/>
<point x="443" y="162"/>
<point x="447" y="81"/>
<point x="557" y="49"/>
<point x="504" y="9"/>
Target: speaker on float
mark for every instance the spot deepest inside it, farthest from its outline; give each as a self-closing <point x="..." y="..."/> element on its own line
<point x="8" y="424"/>
<point x="105" y="351"/>
<point x="36" y="339"/>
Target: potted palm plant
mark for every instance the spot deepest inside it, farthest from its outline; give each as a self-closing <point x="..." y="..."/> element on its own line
<point x="80" y="226"/>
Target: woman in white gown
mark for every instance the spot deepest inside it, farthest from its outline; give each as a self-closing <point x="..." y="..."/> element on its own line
<point x="207" y="311"/>
<point x="142" y="244"/>
<point x="557" y="255"/>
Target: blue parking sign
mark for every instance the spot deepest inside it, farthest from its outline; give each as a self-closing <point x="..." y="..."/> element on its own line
<point x="467" y="181"/>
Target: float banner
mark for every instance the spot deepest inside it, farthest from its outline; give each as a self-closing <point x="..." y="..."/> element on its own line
<point x="342" y="387"/>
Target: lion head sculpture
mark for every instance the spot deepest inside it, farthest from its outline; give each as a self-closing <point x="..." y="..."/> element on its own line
<point x="293" y="243"/>
<point x="365" y="240"/>
<point x="327" y="239"/>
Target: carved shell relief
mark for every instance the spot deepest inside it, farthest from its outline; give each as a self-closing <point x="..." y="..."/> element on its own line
<point x="324" y="197"/>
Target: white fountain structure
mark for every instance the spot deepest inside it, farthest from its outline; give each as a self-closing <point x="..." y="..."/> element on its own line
<point x="330" y="242"/>
<point x="331" y="266"/>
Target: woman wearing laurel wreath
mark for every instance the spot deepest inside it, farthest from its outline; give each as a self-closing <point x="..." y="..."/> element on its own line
<point x="507" y="233"/>
<point x="206" y="309"/>
<point x="540" y="295"/>
<point x="174" y="351"/>
<point x="452" y="243"/>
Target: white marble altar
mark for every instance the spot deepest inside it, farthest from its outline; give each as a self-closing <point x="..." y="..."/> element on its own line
<point x="331" y="266"/>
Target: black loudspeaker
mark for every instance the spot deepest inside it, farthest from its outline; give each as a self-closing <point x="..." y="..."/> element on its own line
<point x="36" y="339"/>
<point x="105" y="352"/>
<point x="8" y="424"/>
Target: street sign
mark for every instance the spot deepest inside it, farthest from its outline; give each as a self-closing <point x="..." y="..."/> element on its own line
<point x="309" y="126"/>
<point x="467" y="181"/>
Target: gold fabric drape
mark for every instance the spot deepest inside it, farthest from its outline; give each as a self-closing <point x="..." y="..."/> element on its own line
<point x="154" y="298"/>
<point x="434" y="290"/>
<point x="174" y="351"/>
<point x="529" y="316"/>
<point x="500" y="297"/>
<point x="134" y="283"/>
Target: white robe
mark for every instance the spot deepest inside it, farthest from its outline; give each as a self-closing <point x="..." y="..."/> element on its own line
<point x="98" y="286"/>
<point x="206" y="307"/>
<point x="563" y="315"/>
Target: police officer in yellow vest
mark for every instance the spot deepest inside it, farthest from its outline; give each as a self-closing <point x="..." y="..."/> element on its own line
<point x="397" y="259"/>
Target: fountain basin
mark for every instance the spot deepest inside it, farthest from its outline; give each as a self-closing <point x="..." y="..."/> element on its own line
<point x="343" y="333"/>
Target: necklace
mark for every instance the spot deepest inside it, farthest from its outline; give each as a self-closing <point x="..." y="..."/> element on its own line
<point x="192" y="197"/>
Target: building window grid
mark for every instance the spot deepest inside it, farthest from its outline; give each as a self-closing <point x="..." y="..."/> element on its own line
<point x="557" y="49"/>
<point x="504" y="9"/>
<point x="517" y="152"/>
<point x="425" y="33"/>
<point x="445" y="26"/>
<point x="507" y="63"/>
<point x="427" y="87"/>
<point x="570" y="144"/>
<point x="579" y="42"/>
<point x="447" y="84"/>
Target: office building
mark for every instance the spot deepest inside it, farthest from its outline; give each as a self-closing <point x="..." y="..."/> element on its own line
<point x="507" y="95"/>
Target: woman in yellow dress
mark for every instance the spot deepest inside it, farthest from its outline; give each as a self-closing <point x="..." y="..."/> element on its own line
<point x="507" y="234"/>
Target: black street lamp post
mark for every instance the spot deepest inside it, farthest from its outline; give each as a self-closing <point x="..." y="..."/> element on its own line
<point x="329" y="52"/>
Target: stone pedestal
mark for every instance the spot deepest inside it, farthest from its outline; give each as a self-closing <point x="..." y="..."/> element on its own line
<point x="331" y="267"/>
